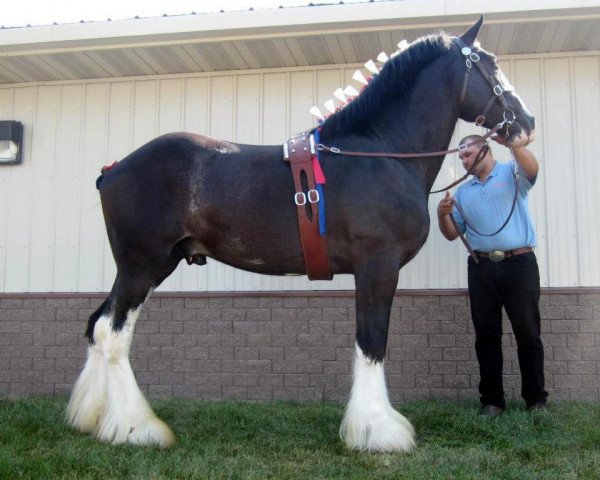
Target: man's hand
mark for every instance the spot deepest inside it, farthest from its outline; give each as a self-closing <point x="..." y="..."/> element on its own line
<point x="523" y="156"/>
<point x="522" y="140"/>
<point x="444" y="210"/>
<point x="446" y="205"/>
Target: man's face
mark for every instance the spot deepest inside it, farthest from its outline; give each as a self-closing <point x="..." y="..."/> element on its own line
<point x="468" y="156"/>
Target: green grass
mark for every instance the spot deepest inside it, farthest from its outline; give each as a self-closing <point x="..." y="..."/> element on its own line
<point x="286" y="440"/>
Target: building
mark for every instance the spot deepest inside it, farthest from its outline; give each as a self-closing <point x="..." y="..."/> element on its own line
<point x="89" y="93"/>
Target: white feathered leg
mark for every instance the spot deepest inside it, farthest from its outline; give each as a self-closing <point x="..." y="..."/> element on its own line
<point x="114" y="408"/>
<point x="370" y="422"/>
<point x="89" y="397"/>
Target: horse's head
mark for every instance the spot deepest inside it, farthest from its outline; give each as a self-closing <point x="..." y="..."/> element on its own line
<point x="486" y="96"/>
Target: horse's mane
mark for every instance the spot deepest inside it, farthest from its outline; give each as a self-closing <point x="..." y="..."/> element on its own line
<point x="392" y="83"/>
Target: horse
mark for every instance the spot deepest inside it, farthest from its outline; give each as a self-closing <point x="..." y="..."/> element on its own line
<point x="184" y="195"/>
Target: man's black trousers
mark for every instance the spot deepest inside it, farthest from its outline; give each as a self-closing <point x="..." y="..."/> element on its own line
<point x="513" y="283"/>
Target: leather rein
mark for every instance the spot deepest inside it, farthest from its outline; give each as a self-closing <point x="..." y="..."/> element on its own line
<point x="508" y="118"/>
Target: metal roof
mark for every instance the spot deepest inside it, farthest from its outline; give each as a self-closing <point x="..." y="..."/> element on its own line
<point x="288" y="37"/>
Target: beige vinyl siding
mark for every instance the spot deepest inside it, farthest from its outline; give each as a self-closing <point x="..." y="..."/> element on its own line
<point x="51" y="229"/>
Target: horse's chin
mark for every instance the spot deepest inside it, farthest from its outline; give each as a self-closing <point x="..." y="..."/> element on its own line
<point x="515" y="133"/>
<point x="531" y="136"/>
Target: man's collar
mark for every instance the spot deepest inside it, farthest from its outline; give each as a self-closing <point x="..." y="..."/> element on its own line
<point x="493" y="173"/>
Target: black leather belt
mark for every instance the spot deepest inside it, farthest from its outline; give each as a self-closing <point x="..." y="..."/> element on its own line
<point x="498" y="255"/>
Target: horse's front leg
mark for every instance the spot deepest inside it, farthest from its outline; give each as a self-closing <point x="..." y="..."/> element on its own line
<point x="370" y="422"/>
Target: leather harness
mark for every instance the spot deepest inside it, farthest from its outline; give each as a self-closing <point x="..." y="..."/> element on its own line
<point x="298" y="151"/>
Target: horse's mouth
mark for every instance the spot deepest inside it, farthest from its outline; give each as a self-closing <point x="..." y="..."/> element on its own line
<point x="511" y="132"/>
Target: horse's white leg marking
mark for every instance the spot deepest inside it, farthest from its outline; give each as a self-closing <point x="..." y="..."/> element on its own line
<point x="88" y="399"/>
<point x="106" y="399"/>
<point x="370" y="422"/>
<point x="128" y="416"/>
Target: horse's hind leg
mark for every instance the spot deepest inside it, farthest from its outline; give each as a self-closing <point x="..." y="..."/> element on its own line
<point x="88" y="399"/>
<point x="106" y="399"/>
<point x="370" y="422"/>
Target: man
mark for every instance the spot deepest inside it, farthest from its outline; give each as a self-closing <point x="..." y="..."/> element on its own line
<point x="506" y="274"/>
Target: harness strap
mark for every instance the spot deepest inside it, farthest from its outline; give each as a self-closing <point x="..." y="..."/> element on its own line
<point x="298" y="152"/>
<point x="337" y="151"/>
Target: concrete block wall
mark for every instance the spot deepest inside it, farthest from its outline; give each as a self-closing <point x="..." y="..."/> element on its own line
<point x="297" y="346"/>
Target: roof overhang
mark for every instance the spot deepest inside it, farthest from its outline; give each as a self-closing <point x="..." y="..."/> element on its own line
<point x="285" y="37"/>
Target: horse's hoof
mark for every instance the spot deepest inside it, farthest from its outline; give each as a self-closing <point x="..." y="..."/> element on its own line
<point x="153" y="432"/>
<point x="148" y="432"/>
<point x="388" y="431"/>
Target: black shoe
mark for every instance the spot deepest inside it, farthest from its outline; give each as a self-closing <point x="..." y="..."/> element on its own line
<point x="538" y="407"/>
<point x="491" y="411"/>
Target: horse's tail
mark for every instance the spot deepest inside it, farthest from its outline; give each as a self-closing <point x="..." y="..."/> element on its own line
<point x="103" y="170"/>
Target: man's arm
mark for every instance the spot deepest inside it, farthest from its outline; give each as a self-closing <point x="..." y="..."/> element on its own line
<point x="526" y="160"/>
<point x="444" y="211"/>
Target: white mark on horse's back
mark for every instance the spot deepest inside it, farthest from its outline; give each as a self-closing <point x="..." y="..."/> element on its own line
<point x="256" y="262"/>
<point x="220" y="146"/>
<point x="227" y="148"/>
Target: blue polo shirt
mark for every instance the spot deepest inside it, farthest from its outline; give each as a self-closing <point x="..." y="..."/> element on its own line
<point x="487" y="205"/>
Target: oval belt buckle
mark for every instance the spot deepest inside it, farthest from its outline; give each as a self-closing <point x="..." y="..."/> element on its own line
<point x="497" y="255"/>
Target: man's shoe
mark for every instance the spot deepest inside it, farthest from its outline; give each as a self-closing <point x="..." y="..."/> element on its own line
<point x="491" y="411"/>
<point x="538" y="407"/>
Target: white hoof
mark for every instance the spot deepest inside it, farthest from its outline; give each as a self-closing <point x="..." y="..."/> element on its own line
<point x="152" y="432"/>
<point x="382" y="431"/>
<point x="143" y="428"/>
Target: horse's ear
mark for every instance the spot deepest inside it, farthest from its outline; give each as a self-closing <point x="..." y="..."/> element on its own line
<point x="471" y="34"/>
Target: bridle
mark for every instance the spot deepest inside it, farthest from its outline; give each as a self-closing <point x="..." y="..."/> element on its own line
<point x="508" y="118"/>
<point x="472" y="58"/>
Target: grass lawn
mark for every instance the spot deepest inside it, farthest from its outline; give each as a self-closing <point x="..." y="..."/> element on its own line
<point x="287" y="440"/>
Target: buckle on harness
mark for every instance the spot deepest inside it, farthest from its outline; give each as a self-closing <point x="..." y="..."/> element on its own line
<point x="313" y="196"/>
<point x="300" y="198"/>
<point x="497" y="255"/>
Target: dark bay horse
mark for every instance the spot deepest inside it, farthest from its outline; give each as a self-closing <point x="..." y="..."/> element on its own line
<point x="189" y="196"/>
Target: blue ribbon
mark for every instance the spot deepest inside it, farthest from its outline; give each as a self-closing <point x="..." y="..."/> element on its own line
<point x="322" y="224"/>
<point x="322" y="229"/>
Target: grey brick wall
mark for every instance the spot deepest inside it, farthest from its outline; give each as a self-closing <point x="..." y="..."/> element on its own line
<point x="269" y="347"/>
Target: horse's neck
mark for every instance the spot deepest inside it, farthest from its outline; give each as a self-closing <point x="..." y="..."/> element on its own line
<point x="424" y="123"/>
<point x="427" y="128"/>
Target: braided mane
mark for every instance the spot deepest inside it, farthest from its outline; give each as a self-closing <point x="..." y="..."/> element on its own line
<point x="393" y="82"/>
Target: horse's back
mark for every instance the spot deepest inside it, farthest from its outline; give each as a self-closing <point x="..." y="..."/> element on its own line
<point x="230" y="197"/>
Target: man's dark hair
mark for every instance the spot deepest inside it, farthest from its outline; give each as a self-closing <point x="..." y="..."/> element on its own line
<point x="473" y="140"/>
